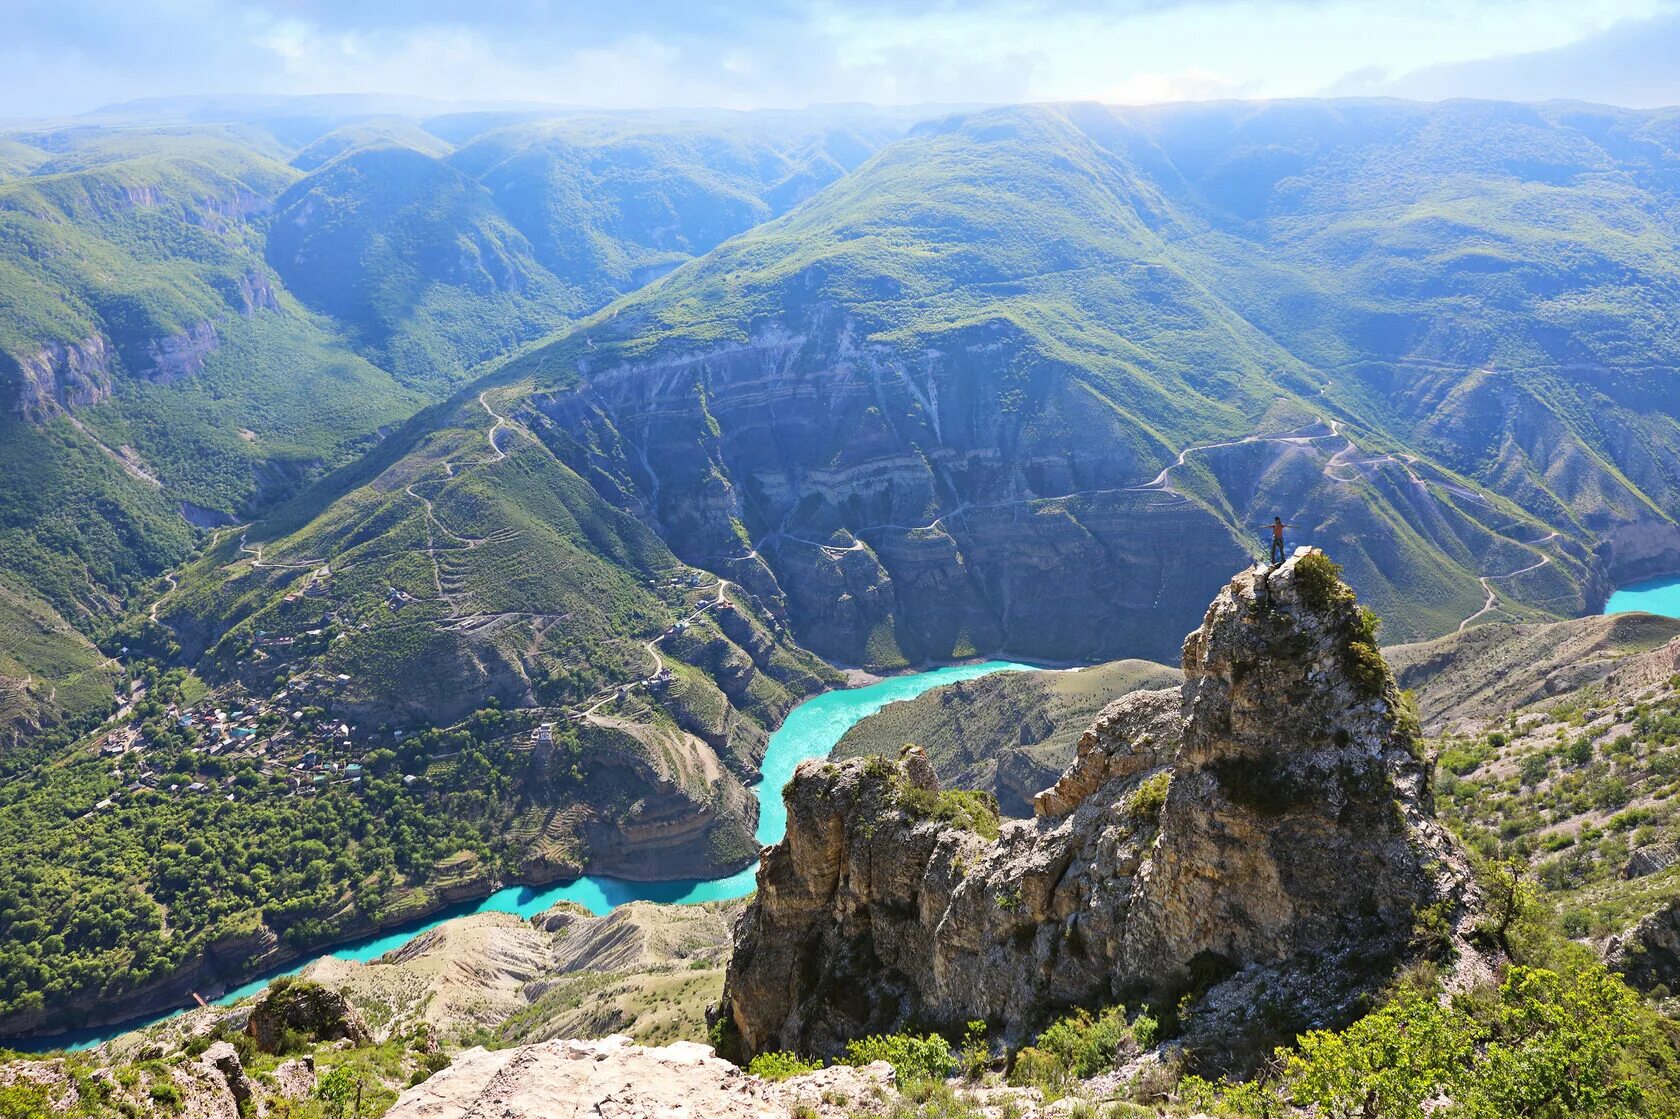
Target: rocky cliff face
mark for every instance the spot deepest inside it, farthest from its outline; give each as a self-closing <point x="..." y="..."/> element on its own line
<point x="181" y="355"/>
<point x="63" y="375"/>
<point x="1260" y="839"/>
<point x="891" y="501"/>
<point x="1648" y="954"/>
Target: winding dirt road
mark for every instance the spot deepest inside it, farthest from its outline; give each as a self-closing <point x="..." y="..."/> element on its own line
<point x="1487" y="580"/>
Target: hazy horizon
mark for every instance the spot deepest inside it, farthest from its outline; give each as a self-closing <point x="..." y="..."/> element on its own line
<point x="75" y="56"/>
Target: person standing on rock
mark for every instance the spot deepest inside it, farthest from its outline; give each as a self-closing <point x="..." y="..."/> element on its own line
<point x="1277" y="539"/>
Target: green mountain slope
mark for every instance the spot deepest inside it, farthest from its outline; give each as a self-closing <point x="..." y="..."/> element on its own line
<point x="459" y="572"/>
<point x="191" y="330"/>
<point x="608" y="203"/>
<point x="439" y="260"/>
<point x="962" y="400"/>
<point x="464" y="561"/>
<point x="49" y="673"/>
<point x="1495" y="282"/>
<point x="416" y="259"/>
<point x="1029" y="379"/>
<point x="150" y="366"/>
<point x="375" y="132"/>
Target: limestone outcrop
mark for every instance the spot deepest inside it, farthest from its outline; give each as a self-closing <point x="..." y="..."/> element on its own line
<point x="183" y="354"/>
<point x="62" y="375"/>
<point x="1648" y="954"/>
<point x="301" y="1007"/>
<point x="836" y="455"/>
<point x="1259" y="841"/>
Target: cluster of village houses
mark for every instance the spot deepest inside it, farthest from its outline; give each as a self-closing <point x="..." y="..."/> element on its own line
<point x="307" y="751"/>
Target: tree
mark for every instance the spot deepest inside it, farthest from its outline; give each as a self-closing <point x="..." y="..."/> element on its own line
<point x="1510" y="898"/>
<point x="338" y="1088"/>
<point x="1386" y="1065"/>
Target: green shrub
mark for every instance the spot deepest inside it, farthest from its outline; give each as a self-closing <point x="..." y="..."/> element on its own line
<point x="1087" y="1043"/>
<point x="1074" y="1047"/>
<point x="1365" y="667"/>
<point x="1572" y="1042"/>
<point x="913" y="1058"/>
<point x="1150" y="796"/>
<point x="1145" y="1029"/>
<point x="165" y="1093"/>
<point x="975" y="1054"/>
<point x="1432" y="930"/>
<point x="1318" y="580"/>
<point x="24" y="1100"/>
<point x="1365" y="628"/>
<point x="1461" y="761"/>
<point x="781" y="1065"/>
<point x="1041" y="1069"/>
<point x="1409" y="722"/>
<point x="970" y="810"/>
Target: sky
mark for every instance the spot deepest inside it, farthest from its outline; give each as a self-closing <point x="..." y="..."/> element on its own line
<point x="61" y="57"/>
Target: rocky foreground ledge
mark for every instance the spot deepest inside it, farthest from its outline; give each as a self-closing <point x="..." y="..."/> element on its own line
<point x="1256" y="848"/>
<point x="615" y="1079"/>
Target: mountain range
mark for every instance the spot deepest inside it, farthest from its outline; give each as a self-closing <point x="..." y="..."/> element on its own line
<point x="447" y="428"/>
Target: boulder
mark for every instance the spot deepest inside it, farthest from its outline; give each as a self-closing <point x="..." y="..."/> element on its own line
<point x="309" y="1009"/>
<point x="224" y="1059"/>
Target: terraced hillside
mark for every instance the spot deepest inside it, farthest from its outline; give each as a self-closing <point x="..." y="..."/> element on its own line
<point x="199" y="317"/>
<point x="465" y="669"/>
<point x="153" y="375"/>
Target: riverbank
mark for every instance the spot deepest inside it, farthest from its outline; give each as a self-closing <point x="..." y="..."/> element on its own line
<point x="810" y="730"/>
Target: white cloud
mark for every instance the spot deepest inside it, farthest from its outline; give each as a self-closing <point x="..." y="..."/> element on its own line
<point x="1193" y="84"/>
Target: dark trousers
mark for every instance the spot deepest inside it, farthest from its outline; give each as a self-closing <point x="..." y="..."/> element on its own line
<point x="1277" y="549"/>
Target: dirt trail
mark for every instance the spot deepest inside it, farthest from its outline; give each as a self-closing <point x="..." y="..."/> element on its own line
<point x="127" y="459"/>
<point x="260" y="562"/>
<point x="168" y="577"/>
<point x="1487" y="580"/>
<point x="652" y="648"/>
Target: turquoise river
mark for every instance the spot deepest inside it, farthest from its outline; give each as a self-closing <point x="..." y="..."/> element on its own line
<point x="1654" y="596"/>
<point x="810" y="731"/>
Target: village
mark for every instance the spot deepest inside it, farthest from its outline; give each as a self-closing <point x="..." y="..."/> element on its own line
<point x="291" y="738"/>
<point x="288" y="736"/>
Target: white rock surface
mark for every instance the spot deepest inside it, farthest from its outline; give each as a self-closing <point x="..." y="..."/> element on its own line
<point x="614" y="1079"/>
